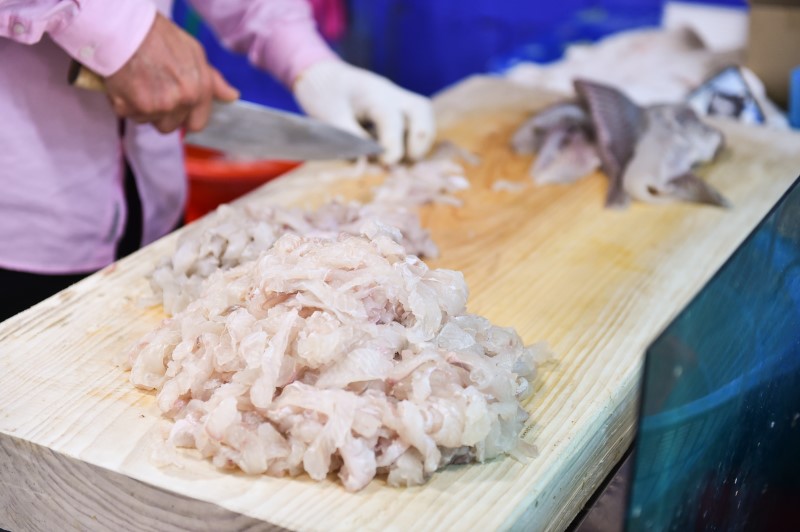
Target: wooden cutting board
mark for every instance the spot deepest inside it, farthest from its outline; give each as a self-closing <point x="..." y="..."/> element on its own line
<point x="598" y="285"/>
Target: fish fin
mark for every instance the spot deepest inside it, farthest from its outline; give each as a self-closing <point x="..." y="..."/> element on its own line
<point x="692" y="39"/>
<point x="618" y="124"/>
<point x="617" y="198"/>
<point x="689" y="187"/>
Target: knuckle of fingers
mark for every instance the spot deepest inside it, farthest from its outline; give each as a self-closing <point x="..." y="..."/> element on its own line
<point x="173" y="102"/>
<point x="190" y="97"/>
<point x="160" y="109"/>
<point x="147" y="108"/>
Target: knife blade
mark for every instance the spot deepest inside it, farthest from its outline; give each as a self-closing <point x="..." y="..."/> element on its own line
<point x="248" y="131"/>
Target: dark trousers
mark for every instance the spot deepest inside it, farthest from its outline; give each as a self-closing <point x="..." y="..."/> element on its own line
<point x="21" y="290"/>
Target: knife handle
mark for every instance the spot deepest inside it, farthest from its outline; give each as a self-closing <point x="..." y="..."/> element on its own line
<point x="81" y="77"/>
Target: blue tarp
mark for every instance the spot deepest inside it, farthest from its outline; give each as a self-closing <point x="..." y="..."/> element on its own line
<point x="427" y="45"/>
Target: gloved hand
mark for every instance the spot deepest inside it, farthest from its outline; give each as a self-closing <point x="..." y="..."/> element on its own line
<point x="345" y="96"/>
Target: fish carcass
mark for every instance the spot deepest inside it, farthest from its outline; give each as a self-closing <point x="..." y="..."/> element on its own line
<point x="647" y="153"/>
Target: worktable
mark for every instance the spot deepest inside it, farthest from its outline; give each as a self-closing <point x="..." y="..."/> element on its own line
<point x="598" y="285"/>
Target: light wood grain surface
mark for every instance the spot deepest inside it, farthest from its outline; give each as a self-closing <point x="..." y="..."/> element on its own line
<point x="598" y="285"/>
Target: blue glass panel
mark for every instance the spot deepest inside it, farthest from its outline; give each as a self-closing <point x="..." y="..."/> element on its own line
<point x="719" y="435"/>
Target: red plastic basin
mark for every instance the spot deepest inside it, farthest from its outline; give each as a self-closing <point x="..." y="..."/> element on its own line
<point x="213" y="180"/>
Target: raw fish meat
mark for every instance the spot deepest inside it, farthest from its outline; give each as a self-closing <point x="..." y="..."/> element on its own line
<point x="239" y="234"/>
<point x="337" y="355"/>
<point x="318" y="342"/>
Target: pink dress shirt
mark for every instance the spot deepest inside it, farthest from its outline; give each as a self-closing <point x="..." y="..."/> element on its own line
<point x="62" y="207"/>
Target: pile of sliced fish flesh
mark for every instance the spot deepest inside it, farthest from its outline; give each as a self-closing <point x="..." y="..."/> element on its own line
<point x="647" y="153"/>
<point x="236" y="235"/>
<point x="343" y="355"/>
<point x="319" y="342"/>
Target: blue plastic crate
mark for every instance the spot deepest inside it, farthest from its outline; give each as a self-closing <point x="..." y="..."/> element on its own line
<point x="719" y="3"/>
<point x="590" y="26"/>
<point x="426" y="46"/>
<point x="621" y="6"/>
<point x="584" y="26"/>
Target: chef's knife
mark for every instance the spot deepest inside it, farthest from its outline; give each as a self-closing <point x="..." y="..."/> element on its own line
<point x="244" y="130"/>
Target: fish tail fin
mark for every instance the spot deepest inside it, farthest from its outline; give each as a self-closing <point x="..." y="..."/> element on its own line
<point x="689" y="187"/>
<point x="617" y="198"/>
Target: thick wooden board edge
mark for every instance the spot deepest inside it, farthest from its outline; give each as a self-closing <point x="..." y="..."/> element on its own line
<point x="38" y="496"/>
<point x="610" y="442"/>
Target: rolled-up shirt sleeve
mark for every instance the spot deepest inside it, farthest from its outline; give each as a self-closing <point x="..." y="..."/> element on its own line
<point x="279" y="36"/>
<point x="100" y="34"/>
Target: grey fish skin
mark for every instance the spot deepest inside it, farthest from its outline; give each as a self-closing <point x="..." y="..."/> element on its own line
<point x="673" y="142"/>
<point x="618" y="124"/>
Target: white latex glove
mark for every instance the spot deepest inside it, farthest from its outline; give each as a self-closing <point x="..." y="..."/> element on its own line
<point x="343" y="95"/>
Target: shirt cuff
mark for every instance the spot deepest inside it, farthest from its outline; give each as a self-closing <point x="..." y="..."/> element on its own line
<point x="105" y="35"/>
<point x="291" y="49"/>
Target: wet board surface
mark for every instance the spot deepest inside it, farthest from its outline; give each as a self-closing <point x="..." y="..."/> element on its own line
<point x="597" y="285"/>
